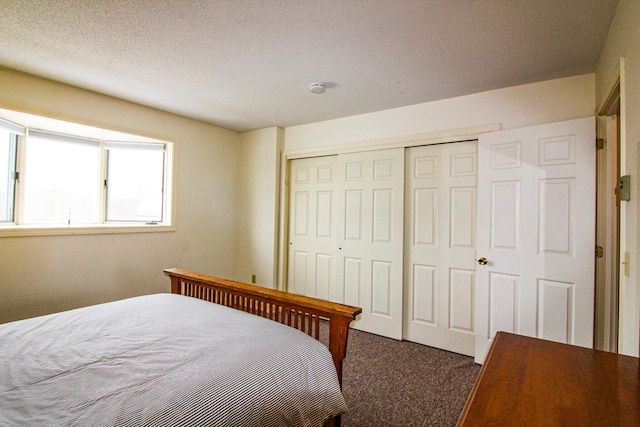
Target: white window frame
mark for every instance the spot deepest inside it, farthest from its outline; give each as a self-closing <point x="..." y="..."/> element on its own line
<point x="17" y="131"/>
<point x="144" y="146"/>
<point x="105" y="137"/>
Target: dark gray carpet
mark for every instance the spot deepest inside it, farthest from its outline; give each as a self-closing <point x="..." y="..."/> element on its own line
<point x="400" y="383"/>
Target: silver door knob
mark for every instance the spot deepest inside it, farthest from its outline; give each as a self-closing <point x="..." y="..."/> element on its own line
<point x="482" y="261"/>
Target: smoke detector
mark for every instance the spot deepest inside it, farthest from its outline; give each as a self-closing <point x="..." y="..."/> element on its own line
<point x="317" y="88"/>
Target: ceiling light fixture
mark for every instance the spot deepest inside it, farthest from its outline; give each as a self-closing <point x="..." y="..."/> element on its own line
<point x="317" y="88"/>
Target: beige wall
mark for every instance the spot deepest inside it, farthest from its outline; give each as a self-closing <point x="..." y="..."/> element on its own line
<point x="513" y="107"/>
<point x="45" y="274"/>
<point x="624" y="41"/>
<point x="258" y="184"/>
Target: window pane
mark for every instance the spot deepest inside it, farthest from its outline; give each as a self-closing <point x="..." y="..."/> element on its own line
<point x="7" y="174"/>
<point x="61" y="182"/>
<point x="135" y="182"/>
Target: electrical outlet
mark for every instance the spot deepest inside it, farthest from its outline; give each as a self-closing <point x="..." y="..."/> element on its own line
<point x="624" y="187"/>
<point x="253" y="279"/>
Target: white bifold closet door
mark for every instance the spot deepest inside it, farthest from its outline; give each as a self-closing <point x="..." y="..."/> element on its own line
<point x="345" y="234"/>
<point x="440" y="222"/>
<point x="312" y="228"/>
<point x="370" y="233"/>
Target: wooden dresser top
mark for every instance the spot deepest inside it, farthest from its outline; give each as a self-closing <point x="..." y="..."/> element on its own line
<point x="529" y="381"/>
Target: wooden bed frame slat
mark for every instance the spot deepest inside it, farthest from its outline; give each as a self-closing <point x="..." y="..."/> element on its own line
<point x="297" y="311"/>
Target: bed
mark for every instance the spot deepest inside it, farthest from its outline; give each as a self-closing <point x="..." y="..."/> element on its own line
<point x="252" y="358"/>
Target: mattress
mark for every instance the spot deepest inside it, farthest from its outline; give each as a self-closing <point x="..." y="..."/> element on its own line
<point x="163" y="359"/>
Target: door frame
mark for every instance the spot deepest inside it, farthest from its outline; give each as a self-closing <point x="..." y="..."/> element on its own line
<point x="439" y="137"/>
<point x="609" y="327"/>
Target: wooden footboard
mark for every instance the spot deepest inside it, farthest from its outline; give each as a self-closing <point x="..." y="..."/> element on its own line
<point x="297" y="311"/>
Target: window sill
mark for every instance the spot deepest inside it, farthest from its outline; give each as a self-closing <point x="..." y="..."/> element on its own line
<point x="63" y="230"/>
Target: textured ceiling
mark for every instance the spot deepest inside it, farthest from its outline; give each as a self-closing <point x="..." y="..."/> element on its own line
<point x="244" y="65"/>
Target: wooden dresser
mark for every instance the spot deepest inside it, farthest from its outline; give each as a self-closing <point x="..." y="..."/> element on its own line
<point x="532" y="382"/>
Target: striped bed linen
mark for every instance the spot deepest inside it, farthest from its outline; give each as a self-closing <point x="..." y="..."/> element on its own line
<point x="165" y="360"/>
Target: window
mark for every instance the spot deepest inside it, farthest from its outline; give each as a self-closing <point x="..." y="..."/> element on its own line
<point x="63" y="176"/>
<point x="60" y="179"/>
<point x="134" y="182"/>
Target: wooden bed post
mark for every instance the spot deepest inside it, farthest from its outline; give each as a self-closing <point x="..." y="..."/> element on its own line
<point x="175" y="285"/>
<point x="338" y="335"/>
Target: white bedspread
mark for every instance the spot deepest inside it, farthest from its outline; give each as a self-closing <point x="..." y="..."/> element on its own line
<point x="163" y="360"/>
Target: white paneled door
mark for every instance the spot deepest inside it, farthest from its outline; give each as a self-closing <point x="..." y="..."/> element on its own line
<point x="536" y="225"/>
<point x="370" y="224"/>
<point x="312" y="227"/>
<point x="345" y="234"/>
<point x="440" y="224"/>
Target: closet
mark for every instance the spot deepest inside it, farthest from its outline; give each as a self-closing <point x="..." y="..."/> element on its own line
<point x="446" y="244"/>
<point x="391" y="231"/>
